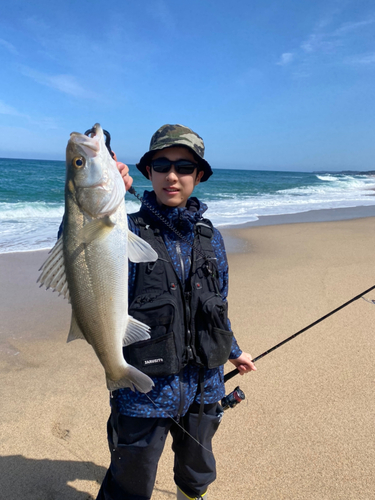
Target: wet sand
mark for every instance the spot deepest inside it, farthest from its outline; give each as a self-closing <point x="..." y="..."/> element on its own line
<point x="305" y="430"/>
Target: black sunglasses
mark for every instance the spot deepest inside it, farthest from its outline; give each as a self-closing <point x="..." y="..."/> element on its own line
<point x="163" y="166"/>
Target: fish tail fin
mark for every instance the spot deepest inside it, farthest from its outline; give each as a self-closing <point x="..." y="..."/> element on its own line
<point x="134" y="378"/>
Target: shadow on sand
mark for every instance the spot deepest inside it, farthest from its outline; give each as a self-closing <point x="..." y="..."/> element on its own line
<point x="32" y="479"/>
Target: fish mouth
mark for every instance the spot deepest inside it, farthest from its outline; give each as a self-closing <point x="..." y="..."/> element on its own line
<point x="89" y="146"/>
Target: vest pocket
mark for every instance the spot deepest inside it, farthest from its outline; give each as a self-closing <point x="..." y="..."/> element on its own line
<point x="215" y="347"/>
<point x="157" y="356"/>
<point x="154" y="357"/>
<point x="213" y="338"/>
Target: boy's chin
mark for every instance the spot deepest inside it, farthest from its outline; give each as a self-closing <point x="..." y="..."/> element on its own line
<point x="170" y="202"/>
<point x="174" y="205"/>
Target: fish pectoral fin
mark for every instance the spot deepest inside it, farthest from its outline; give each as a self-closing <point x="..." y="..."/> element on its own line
<point x="139" y="250"/>
<point x="135" y="331"/>
<point x="75" y="332"/>
<point x="53" y="271"/>
<point x="134" y="379"/>
<point x="96" y="229"/>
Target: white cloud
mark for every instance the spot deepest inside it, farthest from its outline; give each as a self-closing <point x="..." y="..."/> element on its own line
<point x="321" y="43"/>
<point x="5" y="109"/>
<point x="312" y="43"/>
<point x="9" y="46"/>
<point x="67" y="84"/>
<point x="349" y="27"/>
<point x="331" y="42"/>
<point x="286" y="58"/>
<point x="44" y="122"/>
<point x="363" y="59"/>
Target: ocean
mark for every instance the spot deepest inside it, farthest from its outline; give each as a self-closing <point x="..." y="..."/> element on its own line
<point x="32" y="197"/>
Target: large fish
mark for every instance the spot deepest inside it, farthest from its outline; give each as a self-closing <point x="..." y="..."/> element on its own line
<point x="89" y="263"/>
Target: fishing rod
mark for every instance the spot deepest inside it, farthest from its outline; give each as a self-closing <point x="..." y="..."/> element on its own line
<point x="235" y="372"/>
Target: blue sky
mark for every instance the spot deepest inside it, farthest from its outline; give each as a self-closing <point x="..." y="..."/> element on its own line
<point x="284" y="85"/>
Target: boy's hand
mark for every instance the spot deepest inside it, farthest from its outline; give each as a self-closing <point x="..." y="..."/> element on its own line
<point x="124" y="171"/>
<point x="243" y="363"/>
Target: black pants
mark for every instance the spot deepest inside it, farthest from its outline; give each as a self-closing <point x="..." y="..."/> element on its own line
<point x="136" y="445"/>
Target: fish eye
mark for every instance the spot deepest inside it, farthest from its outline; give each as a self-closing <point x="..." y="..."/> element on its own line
<point x="78" y="162"/>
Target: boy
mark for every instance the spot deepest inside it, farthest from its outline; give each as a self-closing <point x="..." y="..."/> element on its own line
<point x="182" y="297"/>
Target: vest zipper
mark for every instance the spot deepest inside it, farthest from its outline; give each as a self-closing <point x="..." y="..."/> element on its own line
<point x="179" y="253"/>
<point x="186" y="297"/>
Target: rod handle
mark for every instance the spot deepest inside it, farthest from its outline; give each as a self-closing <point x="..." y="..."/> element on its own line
<point x="231" y="374"/>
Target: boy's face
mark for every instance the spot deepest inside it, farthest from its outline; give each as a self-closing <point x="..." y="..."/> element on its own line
<point x="173" y="189"/>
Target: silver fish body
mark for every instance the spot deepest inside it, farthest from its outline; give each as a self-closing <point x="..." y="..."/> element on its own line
<point x="89" y="263"/>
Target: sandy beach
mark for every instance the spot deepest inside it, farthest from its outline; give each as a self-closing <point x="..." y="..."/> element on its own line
<point x="306" y="428"/>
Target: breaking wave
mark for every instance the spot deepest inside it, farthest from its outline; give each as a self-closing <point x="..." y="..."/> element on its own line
<point x="31" y="210"/>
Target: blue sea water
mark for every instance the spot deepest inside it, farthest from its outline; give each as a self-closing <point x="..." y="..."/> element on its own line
<point x="32" y="197"/>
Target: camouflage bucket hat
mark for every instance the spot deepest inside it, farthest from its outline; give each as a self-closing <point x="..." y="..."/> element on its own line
<point x="176" y="135"/>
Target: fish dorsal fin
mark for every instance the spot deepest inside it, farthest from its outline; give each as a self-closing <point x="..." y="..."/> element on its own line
<point x="135" y="331"/>
<point x="53" y="271"/>
<point x="95" y="229"/>
<point x="75" y="332"/>
<point x="139" y="250"/>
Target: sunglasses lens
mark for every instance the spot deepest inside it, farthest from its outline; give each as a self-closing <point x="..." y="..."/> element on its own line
<point x="185" y="167"/>
<point x="163" y="165"/>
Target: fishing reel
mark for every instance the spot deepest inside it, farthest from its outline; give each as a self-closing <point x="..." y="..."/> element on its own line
<point x="233" y="398"/>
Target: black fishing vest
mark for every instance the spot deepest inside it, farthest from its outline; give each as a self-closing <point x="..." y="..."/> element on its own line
<point x="188" y="320"/>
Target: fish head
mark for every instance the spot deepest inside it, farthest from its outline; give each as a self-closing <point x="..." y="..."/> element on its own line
<point x="92" y="177"/>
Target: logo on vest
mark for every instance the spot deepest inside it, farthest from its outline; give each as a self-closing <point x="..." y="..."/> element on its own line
<point x="155" y="361"/>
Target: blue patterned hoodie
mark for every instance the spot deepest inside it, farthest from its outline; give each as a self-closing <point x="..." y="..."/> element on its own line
<point x="173" y="395"/>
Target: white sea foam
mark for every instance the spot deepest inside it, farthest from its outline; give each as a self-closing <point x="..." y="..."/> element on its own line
<point x="335" y="192"/>
<point x="30" y="210"/>
<point x="26" y="226"/>
<point x="33" y="225"/>
<point x="329" y="178"/>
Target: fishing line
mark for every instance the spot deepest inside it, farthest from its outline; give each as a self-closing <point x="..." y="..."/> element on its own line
<point x="234" y="372"/>
<point x="369" y="301"/>
<point x="180" y="426"/>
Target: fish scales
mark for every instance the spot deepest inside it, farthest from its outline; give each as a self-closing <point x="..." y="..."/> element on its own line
<point x="98" y="272"/>
<point x="95" y="249"/>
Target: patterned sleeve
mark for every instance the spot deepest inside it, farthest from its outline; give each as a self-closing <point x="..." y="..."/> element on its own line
<point x="222" y="262"/>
